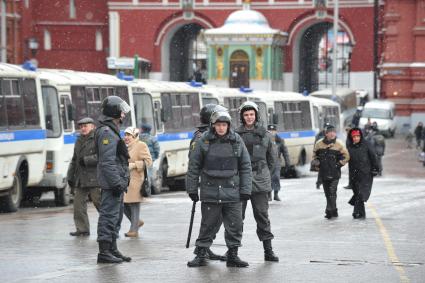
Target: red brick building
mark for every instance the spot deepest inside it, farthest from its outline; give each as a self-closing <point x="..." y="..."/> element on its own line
<point x="101" y="35"/>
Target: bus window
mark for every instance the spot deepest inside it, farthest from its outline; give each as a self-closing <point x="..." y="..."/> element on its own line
<point x="122" y="92"/>
<point x="293" y="116"/>
<point x="209" y="100"/>
<point x="263" y="112"/>
<point x="66" y="122"/>
<point x="3" y="120"/>
<point x="93" y="102"/>
<point x="157" y="110"/>
<point x="29" y="92"/>
<point x="79" y="100"/>
<point x="317" y="119"/>
<point x="144" y="111"/>
<point x="13" y="101"/>
<point x="195" y="108"/>
<point x="51" y="111"/>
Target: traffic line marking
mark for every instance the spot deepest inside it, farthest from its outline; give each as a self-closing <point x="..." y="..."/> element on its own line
<point x="389" y="245"/>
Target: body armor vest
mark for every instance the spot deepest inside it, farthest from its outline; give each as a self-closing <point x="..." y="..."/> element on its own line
<point x="221" y="161"/>
<point x="256" y="148"/>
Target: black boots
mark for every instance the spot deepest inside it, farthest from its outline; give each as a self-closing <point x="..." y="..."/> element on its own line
<point x="331" y="213"/>
<point x="268" y="251"/>
<point x="211" y="255"/>
<point x="276" y="196"/>
<point x="233" y="260"/>
<point x="200" y="259"/>
<point x="105" y="255"/>
<point x="117" y="253"/>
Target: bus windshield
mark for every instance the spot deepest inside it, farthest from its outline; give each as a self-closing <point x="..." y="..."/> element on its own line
<point x="376" y="113"/>
<point x="51" y="111"/>
<point x="144" y="110"/>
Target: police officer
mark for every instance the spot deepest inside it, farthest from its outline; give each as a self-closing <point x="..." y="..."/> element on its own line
<point x="113" y="176"/>
<point x="282" y="150"/>
<point x="263" y="157"/>
<point x="332" y="155"/>
<point x="219" y="164"/>
<point x="82" y="176"/>
<point x="205" y="115"/>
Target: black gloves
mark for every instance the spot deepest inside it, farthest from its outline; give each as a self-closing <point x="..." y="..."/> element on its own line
<point x="244" y="197"/>
<point x="116" y="192"/>
<point x="375" y="172"/>
<point x="194" y="197"/>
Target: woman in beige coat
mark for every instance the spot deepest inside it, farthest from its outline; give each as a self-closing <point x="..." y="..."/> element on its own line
<point x="139" y="158"/>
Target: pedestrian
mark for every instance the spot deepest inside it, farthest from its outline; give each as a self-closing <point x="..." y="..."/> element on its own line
<point x="377" y="141"/>
<point x="113" y="176"/>
<point x="332" y="155"/>
<point x="139" y="159"/>
<point x="282" y="151"/>
<point x="356" y="117"/>
<point x="363" y="167"/>
<point x="219" y="165"/>
<point x="153" y="145"/>
<point x="82" y="178"/>
<point x="263" y="154"/>
<point x="204" y="116"/>
<point x="419" y="134"/>
<point x="347" y="131"/>
<point x="320" y="135"/>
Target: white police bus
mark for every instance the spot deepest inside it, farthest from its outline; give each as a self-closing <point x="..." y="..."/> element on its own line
<point x="67" y="97"/>
<point x="292" y="113"/>
<point x="172" y="108"/>
<point x="326" y="111"/>
<point x="22" y="134"/>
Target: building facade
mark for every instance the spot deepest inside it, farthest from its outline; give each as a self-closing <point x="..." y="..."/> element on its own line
<point x="163" y="39"/>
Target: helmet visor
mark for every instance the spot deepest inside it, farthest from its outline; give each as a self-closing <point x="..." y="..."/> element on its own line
<point x="124" y="107"/>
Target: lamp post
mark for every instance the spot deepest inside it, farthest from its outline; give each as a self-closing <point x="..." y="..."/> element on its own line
<point x="3" y="32"/>
<point x="335" y="47"/>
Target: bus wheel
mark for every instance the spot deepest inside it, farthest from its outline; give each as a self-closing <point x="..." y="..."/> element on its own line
<point x="11" y="202"/>
<point x="62" y="196"/>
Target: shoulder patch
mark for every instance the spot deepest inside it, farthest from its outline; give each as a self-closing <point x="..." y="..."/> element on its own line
<point x="206" y="141"/>
<point x="105" y="141"/>
<point x="193" y="146"/>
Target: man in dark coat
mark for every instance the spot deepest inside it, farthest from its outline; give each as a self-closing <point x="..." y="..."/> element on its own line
<point x="113" y="176"/>
<point x="220" y="166"/>
<point x="82" y="176"/>
<point x="377" y="140"/>
<point x="332" y="155"/>
<point x="320" y="135"/>
<point x="419" y="131"/>
<point x="362" y="167"/>
<point x="282" y="151"/>
<point x="263" y="154"/>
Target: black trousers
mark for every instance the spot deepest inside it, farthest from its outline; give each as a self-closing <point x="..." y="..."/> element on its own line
<point x="110" y="216"/>
<point x="260" y="207"/>
<point x="358" y="200"/>
<point x="213" y="214"/>
<point x="330" y="187"/>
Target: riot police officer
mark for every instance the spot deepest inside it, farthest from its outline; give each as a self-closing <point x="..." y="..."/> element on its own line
<point x="205" y="115"/>
<point x="263" y="154"/>
<point x="113" y="176"/>
<point x="219" y="164"/>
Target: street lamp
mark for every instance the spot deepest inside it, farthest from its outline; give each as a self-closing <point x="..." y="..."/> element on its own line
<point x="33" y="45"/>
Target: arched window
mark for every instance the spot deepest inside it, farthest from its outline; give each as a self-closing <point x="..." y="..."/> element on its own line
<point x="99" y="41"/>
<point x="47" y="40"/>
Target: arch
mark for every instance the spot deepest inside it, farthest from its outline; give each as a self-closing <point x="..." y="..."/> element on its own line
<point x="304" y="23"/>
<point x="165" y="34"/>
<point x="239" y="69"/>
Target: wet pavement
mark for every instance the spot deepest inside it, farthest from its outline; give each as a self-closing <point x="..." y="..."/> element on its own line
<point x="388" y="246"/>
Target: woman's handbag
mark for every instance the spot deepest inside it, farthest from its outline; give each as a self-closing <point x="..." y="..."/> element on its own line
<point x="145" y="190"/>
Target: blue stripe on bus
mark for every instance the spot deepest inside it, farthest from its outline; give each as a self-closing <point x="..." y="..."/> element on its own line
<point x="70" y="138"/>
<point x="22" y="135"/>
<point x="297" y="134"/>
<point x="175" y="136"/>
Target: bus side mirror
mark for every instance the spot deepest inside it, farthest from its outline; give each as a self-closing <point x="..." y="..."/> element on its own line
<point x="275" y="119"/>
<point x="71" y="112"/>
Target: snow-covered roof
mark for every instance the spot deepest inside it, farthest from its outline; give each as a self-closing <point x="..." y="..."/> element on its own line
<point x="244" y="22"/>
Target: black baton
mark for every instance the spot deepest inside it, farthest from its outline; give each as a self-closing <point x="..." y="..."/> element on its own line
<point x="191" y="224"/>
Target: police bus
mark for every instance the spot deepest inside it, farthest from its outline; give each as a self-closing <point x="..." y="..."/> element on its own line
<point x="347" y="100"/>
<point x="67" y="97"/>
<point x="172" y="108"/>
<point x="22" y="134"/>
<point x="232" y="99"/>
<point x="325" y="111"/>
<point x="292" y="113"/>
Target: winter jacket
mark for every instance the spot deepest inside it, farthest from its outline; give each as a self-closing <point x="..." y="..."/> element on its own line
<point x="139" y="158"/>
<point x="217" y="182"/>
<point x="362" y="165"/>
<point x="263" y="156"/>
<point x="112" y="153"/>
<point x="82" y="170"/>
<point x="332" y="155"/>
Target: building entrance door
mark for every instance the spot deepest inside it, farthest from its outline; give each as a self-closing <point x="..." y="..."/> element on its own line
<point x="239" y="70"/>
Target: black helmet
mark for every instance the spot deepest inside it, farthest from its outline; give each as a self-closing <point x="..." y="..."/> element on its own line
<point x="112" y="106"/>
<point x="248" y="105"/>
<point x="208" y="110"/>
